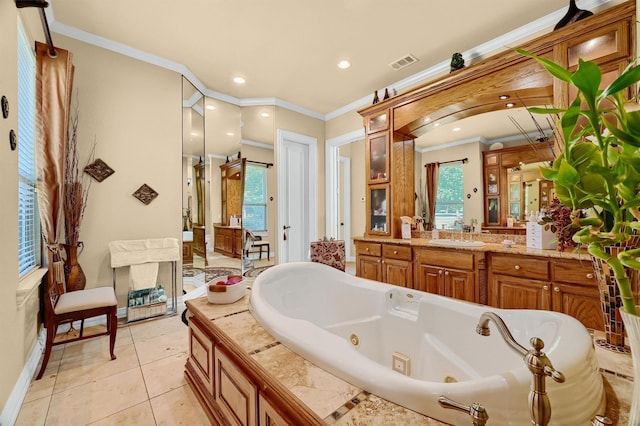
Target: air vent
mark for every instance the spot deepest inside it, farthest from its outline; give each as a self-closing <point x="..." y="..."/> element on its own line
<point x="405" y="61"/>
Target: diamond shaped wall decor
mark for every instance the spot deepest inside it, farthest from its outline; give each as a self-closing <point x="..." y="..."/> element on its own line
<point x="145" y="194"/>
<point x="99" y="170"/>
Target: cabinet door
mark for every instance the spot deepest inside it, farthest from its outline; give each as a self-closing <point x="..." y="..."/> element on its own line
<point x="397" y="272"/>
<point x="268" y="415"/>
<point x="378" y="203"/>
<point x="580" y="302"/>
<point x="517" y="293"/>
<point x="459" y="285"/>
<point x="236" y="396"/>
<point x="201" y="357"/>
<point x="430" y="279"/>
<point x="377" y="157"/>
<point x="369" y="267"/>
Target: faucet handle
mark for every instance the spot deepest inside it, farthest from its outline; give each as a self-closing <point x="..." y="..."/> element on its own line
<point x="541" y="360"/>
<point x="476" y="411"/>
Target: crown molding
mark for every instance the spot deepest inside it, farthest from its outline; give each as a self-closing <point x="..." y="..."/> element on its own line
<point x="257" y="144"/>
<point x="477" y="52"/>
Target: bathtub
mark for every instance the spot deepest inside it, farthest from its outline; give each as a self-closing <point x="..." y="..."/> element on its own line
<point x="359" y="330"/>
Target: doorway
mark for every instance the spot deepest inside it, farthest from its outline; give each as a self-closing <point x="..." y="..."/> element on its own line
<point x="297" y="193"/>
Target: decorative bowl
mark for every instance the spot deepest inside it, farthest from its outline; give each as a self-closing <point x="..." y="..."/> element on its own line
<point x="225" y="294"/>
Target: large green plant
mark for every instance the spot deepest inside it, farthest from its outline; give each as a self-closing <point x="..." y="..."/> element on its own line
<point x="599" y="168"/>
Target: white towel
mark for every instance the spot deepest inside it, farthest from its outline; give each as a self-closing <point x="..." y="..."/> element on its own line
<point x="143" y="275"/>
<point x="133" y="252"/>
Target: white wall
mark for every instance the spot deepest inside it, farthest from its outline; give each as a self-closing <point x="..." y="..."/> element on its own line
<point x="10" y="333"/>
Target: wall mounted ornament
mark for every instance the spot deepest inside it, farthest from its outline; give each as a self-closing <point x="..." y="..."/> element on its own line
<point x="99" y="170"/>
<point x="5" y="106"/>
<point x="13" y="140"/>
<point x="145" y="194"/>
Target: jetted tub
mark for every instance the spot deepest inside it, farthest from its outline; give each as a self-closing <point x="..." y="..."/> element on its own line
<point x="352" y="327"/>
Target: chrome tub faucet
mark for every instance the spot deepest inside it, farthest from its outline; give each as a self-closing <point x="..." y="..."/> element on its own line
<point x="537" y="362"/>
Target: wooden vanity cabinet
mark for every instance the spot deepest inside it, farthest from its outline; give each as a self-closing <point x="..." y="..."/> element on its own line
<point x="227" y="240"/>
<point x="563" y="285"/>
<point x="448" y="273"/>
<point x="232" y="388"/>
<point x="388" y="263"/>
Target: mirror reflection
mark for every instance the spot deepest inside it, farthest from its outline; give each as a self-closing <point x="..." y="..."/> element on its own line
<point x="259" y="213"/>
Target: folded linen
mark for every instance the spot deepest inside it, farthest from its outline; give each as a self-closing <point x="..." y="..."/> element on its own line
<point x="135" y="252"/>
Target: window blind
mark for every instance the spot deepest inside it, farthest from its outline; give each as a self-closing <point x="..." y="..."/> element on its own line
<point x="28" y="216"/>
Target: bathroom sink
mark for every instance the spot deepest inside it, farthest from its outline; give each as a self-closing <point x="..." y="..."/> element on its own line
<point x="456" y="243"/>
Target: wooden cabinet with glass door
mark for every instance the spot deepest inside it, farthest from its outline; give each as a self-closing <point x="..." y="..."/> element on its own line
<point x="389" y="164"/>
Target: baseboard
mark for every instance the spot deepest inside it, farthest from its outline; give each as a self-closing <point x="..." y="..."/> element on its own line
<point x="16" y="398"/>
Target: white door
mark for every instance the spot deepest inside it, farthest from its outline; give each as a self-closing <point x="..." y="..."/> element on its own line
<point x="344" y="210"/>
<point x="297" y="218"/>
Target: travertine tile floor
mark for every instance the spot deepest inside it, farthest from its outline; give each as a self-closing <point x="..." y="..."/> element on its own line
<point x="143" y="386"/>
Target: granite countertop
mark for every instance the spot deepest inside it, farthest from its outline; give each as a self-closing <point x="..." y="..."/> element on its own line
<point x="494" y="245"/>
<point x="342" y="404"/>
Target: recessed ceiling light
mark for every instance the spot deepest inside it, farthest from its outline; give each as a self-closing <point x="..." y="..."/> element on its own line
<point x="427" y="119"/>
<point x="239" y="80"/>
<point x="455" y="129"/>
<point x="211" y="107"/>
<point x="230" y="133"/>
<point x="344" y="64"/>
<point x="264" y="114"/>
<point x="436" y="124"/>
<point x="510" y="105"/>
<point x="503" y="97"/>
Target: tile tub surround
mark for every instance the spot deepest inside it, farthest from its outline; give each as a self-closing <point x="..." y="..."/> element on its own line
<point x="340" y="403"/>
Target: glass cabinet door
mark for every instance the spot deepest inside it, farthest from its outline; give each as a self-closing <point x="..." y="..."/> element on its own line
<point x="378" y="217"/>
<point x="378" y="159"/>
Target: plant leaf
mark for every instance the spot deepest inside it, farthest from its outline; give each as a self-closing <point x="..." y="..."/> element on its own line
<point x="555" y="69"/>
<point x="587" y="79"/>
<point x="629" y="76"/>
<point x="567" y="175"/>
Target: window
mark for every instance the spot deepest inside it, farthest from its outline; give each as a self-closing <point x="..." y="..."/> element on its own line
<point x="254" y="207"/>
<point x="450" y="195"/>
<point x="28" y="216"/>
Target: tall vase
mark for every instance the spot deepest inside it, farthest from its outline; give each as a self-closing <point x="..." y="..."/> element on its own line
<point x="610" y="299"/>
<point x="73" y="273"/>
<point x="632" y="324"/>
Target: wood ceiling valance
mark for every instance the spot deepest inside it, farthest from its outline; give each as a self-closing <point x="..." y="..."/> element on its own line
<point x="475" y="89"/>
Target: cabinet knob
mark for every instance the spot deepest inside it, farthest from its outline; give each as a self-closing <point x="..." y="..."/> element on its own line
<point x="366" y="249"/>
<point x="440" y="272"/>
<point x="590" y="276"/>
<point x="545" y="288"/>
<point x="556" y="289"/>
<point x="446" y="273"/>
<point x="517" y="267"/>
<point x="395" y="252"/>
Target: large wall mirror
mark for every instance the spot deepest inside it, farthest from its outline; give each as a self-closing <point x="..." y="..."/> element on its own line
<point x="259" y="217"/>
<point x="211" y="142"/>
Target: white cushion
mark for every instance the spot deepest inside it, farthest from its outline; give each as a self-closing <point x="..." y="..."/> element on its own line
<point x="85" y="299"/>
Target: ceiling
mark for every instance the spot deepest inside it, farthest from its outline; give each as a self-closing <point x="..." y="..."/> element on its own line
<point x="288" y="50"/>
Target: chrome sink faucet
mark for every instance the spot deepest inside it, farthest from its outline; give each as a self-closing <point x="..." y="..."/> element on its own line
<point x="537" y="362"/>
<point x="476" y="412"/>
<point x="461" y="223"/>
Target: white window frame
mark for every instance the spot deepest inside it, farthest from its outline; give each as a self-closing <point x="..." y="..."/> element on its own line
<point x="29" y="234"/>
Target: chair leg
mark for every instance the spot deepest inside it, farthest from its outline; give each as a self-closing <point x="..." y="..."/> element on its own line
<point x="112" y="325"/>
<point x="51" y="334"/>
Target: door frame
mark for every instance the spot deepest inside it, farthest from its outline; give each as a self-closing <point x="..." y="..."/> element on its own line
<point x="283" y="136"/>
<point x="331" y="180"/>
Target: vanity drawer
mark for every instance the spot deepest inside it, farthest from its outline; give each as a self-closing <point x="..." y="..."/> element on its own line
<point x="574" y="272"/>
<point x="396" y="252"/>
<point x="369" y="249"/>
<point x="447" y="259"/>
<point x="520" y="266"/>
